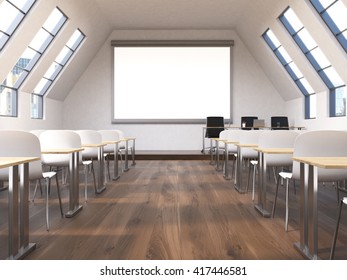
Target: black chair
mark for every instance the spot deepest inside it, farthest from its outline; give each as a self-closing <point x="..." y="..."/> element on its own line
<point x="247" y="122"/>
<point x="279" y="123"/>
<point x="214" y="126"/>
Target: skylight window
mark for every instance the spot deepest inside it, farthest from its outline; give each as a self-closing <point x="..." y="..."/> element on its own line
<point x="53" y="72"/>
<point x="294" y="72"/>
<point x="12" y="13"/>
<point x="318" y="60"/>
<point x="31" y="55"/>
<point x="334" y="14"/>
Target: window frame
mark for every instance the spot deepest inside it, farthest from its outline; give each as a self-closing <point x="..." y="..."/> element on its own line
<point x="308" y="52"/>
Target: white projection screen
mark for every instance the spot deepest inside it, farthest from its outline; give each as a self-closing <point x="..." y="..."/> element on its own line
<point x="171" y="82"/>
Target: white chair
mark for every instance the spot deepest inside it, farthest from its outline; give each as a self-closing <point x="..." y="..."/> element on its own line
<point x="318" y="143"/>
<point x="89" y="154"/>
<point x="233" y="135"/>
<point x="20" y="143"/>
<point x="124" y="147"/>
<point x="247" y="137"/>
<point x="110" y="149"/>
<point x="276" y="139"/>
<point x="343" y="201"/>
<point x="64" y="140"/>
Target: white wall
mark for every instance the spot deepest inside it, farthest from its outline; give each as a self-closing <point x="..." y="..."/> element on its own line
<point x="322" y="121"/>
<point x="88" y="106"/>
<point x="53" y="119"/>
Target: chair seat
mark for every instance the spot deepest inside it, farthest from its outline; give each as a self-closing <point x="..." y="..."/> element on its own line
<point x="49" y="175"/>
<point x="286" y="175"/>
<point x="87" y="162"/>
<point x="254" y="162"/>
<point x="344" y="200"/>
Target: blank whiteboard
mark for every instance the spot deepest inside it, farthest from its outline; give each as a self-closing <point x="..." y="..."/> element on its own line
<point x="164" y="84"/>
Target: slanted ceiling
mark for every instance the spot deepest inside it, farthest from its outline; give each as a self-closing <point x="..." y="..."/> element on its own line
<point x="98" y="18"/>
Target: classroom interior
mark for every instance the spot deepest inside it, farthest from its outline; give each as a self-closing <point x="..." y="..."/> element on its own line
<point x="171" y="200"/>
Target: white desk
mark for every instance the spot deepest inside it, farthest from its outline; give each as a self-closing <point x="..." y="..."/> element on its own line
<point x="74" y="205"/>
<point x="262" y="182"/>
<point x="308" y="244"/>
<point x="18" y="209"/>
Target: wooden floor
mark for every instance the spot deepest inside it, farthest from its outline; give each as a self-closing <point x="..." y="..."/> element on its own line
<point x="173" y="209"/>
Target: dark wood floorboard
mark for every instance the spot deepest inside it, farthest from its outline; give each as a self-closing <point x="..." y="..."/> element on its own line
<point x="173" y="209"/>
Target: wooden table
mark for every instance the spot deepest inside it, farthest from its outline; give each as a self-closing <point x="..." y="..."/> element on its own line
<point x="74" y="205"/>
<point x="308" y="244"/>
<point x="238" y="183"/>
<point x="116" y="175"/>
<point x="18" y="209"/>
<point x="126" y="140"/>
<point x="101" y="186"/>
<point x="262" y="182"/>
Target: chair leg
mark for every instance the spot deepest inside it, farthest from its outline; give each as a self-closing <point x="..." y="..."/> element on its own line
<point x="287" y="204"/>
<point x="275" y="200"/>
<point x="59" y="196"/>
<point x="332" y="252"/>
<point x="253" y="191"/>
<point x="86" y="182"/>
<point x="48" y="182"/>
<point x="249" y="176"/>
<point x="92" y="169"/>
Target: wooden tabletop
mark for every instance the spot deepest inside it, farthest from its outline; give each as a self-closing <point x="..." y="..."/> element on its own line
<point x="11" y="161"/>
<point x="231" y="142"/>
<point x="280" y="151"/>
<point x="243" y="145"/>
<point x="61" y="151"/>
<point x="128" y="138"/>
<point x="324" y="162"/>
<point x="93" y="145"/>
<point x="111" y="142"/>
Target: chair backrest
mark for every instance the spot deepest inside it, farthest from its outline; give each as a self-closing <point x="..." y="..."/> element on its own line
<point x="89" y="137"/>
<point x="37" y="132"/>
<point x="20" y="144"/>
<point x="59" y="139"/>
<point x="249" y="137"/>
<point x="279" y="123"/>
<point x="247" y="122"/>
<point x="278" y="139"/>
<point x="109" y="135"/>
<point x="321" y="143"/>
<point x="233" y="135"/>
<point x="214" y="126"/>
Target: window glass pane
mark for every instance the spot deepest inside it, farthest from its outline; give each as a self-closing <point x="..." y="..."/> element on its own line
<point x="271" y="39"/>
<point x="54" y="22"/>
<point x="36" y="107"/>
<point x="313" y="106"/>
<point x="283" y="56"/>
<point x="42" y="86"/>
<point x="333" y="77"/>
<point x="340" y="101"/>
<point x="41" y="41"/>
<point x="294" y="71"/>
<point x="320" y="59"/>
<point x="8" y="101"/>
<point x="338" y="13"/>
<point x="10" y="17"/>
<point x="305" y="41"/>
<point x="295" y="23"/>
<point x="22" y="4"/>
<point x="63" y="56"/>
<point x="3" y="40"/>
<point x="75" y="40"/>
<point x="53" y="71"/>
